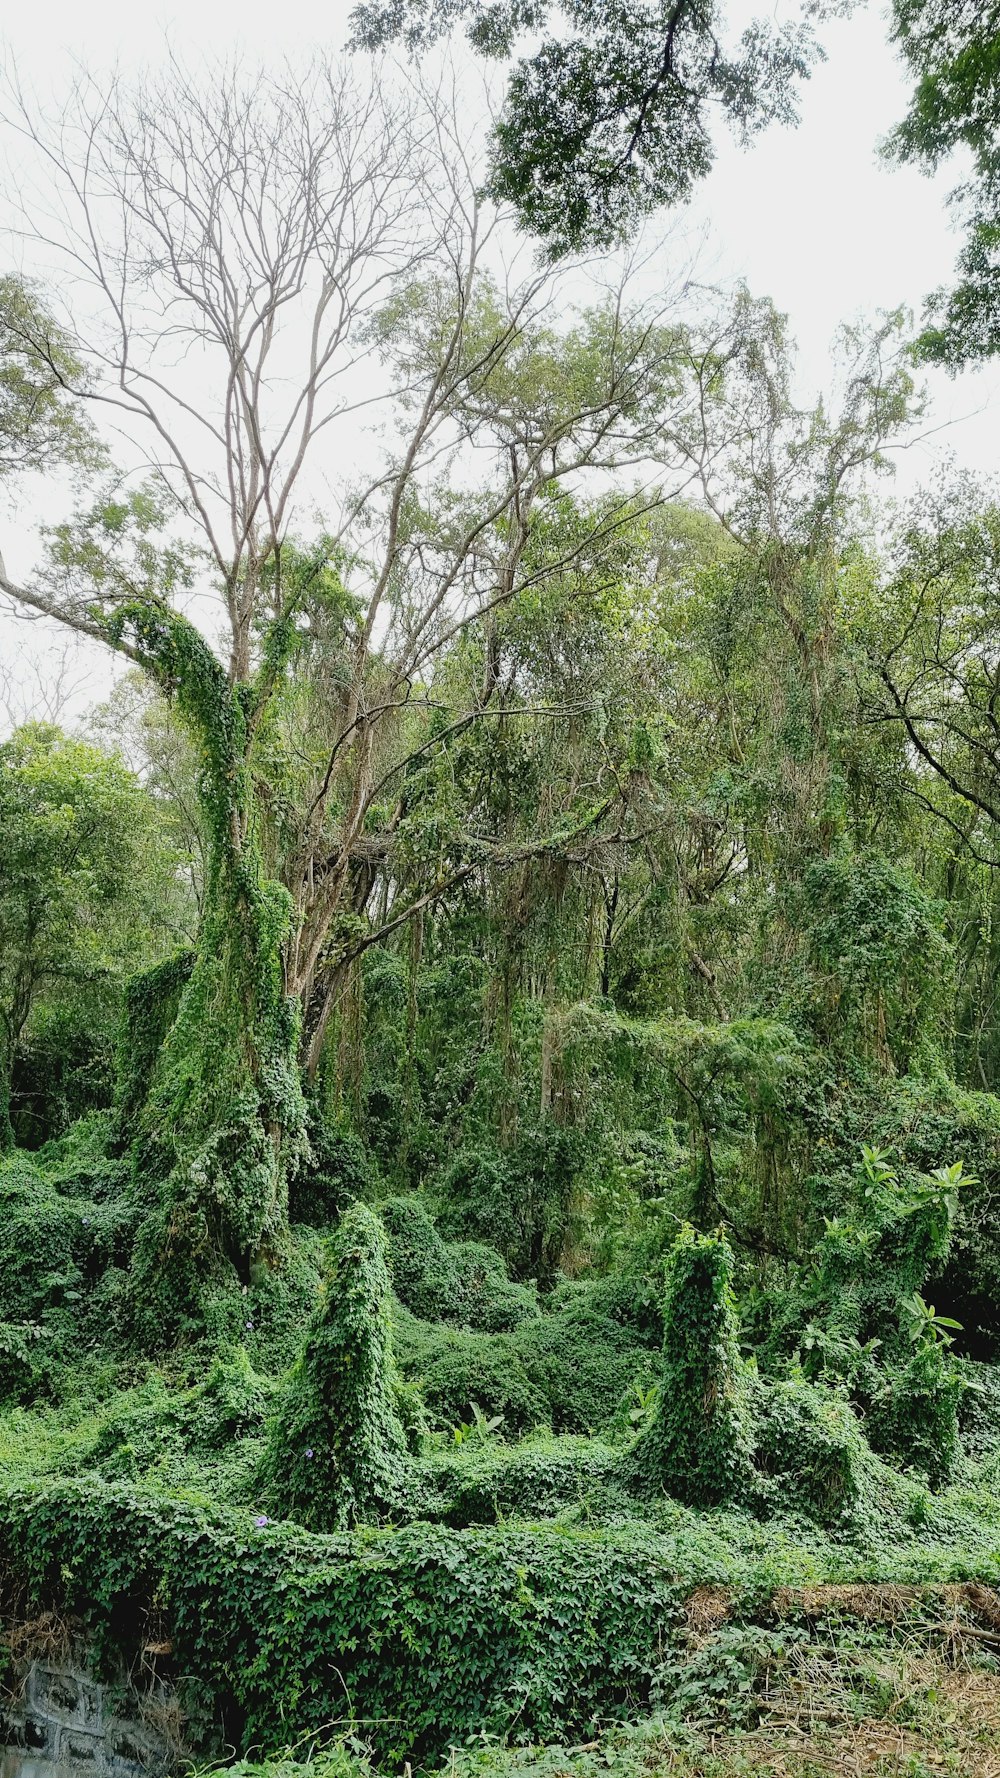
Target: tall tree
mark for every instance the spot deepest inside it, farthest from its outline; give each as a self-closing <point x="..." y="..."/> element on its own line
<point x="952" y="49"/>
<point x="609" y="118"/>
<point x="314" y="246"/>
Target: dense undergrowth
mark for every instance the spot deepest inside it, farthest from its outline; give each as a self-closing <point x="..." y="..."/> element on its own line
<point x="526" y="1161"/>
<point x="388" y="1493"/>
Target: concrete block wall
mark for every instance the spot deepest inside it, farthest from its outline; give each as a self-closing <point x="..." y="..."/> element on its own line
<point x="66" y="1725"/>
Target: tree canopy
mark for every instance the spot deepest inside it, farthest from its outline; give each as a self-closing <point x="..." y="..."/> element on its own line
<point x="610" y="116"/>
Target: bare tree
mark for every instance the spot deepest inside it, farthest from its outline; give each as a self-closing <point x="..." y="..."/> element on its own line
<point x="272" y="257"/>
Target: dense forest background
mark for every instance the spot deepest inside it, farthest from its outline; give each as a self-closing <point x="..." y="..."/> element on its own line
<point x="499" y="1056"/>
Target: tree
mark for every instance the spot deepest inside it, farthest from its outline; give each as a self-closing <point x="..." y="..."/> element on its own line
<point x="40" y="425"/>
<point x="318" y="233"/>
<point x="951" y="48"/>
<point x="610" y="119"/>
<point x="87" y="881"/>
<point x="933" y="648"/>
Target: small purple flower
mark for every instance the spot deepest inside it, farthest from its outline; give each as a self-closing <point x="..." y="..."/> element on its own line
<point x="249" y="1323"/>
<point x="309" y="1453"/>
<point x="86" y="1221"/>
<point x="261" y="1521"/>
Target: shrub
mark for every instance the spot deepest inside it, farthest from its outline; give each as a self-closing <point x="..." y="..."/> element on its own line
<point x="583" y="1363"/>
<point x="433" y="1634"/>
<point x="65" y="1218"/>
<point x="143" y="1428"/>
<point x="232" y="1402"/>
<point x="155" y="1426"/>
<point x="23" y="1360"/>
<point x="915" y="1419"/>
<point x="152" y="998"/>
<point x="481" y="1482"/>
<point x="423" y="1270"/>
<point x="487" y="1297"/>
<point x="44" y="1240"/>
<point x="808" y="1446"/>
<point x="339" y="1170"/>
<point x="63" y="1069"/>
<point x="462" y="1282"/>
<point x="458" y="1371"/>
<point x="517" y="1201"/>
<point x="336" y="1446"/>
<point x="695" y="1447"/>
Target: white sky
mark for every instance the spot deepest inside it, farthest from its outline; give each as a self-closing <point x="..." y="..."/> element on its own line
<point x="809" y="217"/>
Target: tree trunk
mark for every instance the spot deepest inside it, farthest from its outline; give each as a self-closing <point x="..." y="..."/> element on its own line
<point x="224" y="1117"/>
<point x="6" y="1068"/>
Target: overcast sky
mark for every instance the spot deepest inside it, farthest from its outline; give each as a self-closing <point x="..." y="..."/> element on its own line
<point x="809" y="217"/>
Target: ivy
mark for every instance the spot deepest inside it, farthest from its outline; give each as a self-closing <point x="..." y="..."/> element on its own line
<point x="696" y="1446"/>
<point x="418" y="1636"/>
<point x="337" y="1448"/>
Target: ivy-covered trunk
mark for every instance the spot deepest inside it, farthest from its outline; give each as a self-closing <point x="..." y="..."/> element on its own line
<point x="223" y="1118"/>
<point x="6" y="1063"/>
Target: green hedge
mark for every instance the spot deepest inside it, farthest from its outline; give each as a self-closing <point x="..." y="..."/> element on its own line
<point x="420" y="1636"/>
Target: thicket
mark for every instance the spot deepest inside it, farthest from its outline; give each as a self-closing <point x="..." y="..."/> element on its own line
<point x="500" y="1118"/>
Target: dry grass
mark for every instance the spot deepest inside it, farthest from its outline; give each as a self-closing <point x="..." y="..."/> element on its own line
<point x="934" y="1717"/>
<point x="48" y="1637"/>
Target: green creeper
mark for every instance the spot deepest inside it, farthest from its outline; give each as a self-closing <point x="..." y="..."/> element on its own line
<point x="87" y="885"/>
<point x="695" y="1447"/>
<point x="337" y="1450"/>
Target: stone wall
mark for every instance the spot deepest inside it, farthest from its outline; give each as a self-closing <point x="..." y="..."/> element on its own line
<point x="66" y="1725"/>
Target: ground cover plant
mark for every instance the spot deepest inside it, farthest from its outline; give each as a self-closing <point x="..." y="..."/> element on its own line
<point x="499" y="1072"/>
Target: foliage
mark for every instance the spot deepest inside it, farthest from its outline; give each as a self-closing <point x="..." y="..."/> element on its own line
<point x="517" y="1201"/>
<point x="151" y="998"/>
<point x="695" y="1447"/>
<point x="915" y="1419"/>
<point x="65" y="1222"/>
<point x="809" y="1447"/>
<point x="86" y="885"/>
<point x="545" y="915"/>
<point x="458" y="1372"/>
<point x="41" y="425"/>
<point x="336" y="1449"/>
<point x="608" y="120"/>
<point x="951" y="51"/>
<point x="426" y="1627"/>
<point x="464" y="1282"/>
<point x="336" y="1170"/>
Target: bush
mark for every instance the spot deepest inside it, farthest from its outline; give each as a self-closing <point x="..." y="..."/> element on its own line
<point x="915" y="1419"/>
<point x="336" y="1447"/>
<point x="584" y="1365"/>
<point x="423" y="1270"/>
<point x="152" y="998"/>
<point x="156" y="1424"/>
<point x="487" y="1297"/>
<point x="570" y="1370"/>
<point x="458" y="1371"/>
<point x="808" y="1446"/>
<point x="516" y="1201"/>
<point x="62" y="1070"/>
<point x="461" y="1282"/>
<point x="144" y="1428"/>
<point x="480" y="1483"/>
<point x="23" y="1360"/>
<point x="695" y="1447"/>
<point x="65" y="1218"/>
<point x="232" y="1403"/>
<point x="338" y="1171"/>
<point x="434" y="1634"/>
